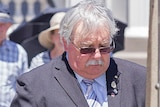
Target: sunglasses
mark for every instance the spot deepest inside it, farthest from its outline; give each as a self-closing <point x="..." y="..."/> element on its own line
<point x="90" y="50"/>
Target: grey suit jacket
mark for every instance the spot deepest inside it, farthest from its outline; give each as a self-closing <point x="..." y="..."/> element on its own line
<point x="55" y="85"/>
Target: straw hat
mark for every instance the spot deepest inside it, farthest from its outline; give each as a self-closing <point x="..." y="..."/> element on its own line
<point x="45" y="36"/>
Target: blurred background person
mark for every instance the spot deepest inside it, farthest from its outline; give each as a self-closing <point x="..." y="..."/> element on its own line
<point x="50" y="40"/>
<point x="13" y="60"/>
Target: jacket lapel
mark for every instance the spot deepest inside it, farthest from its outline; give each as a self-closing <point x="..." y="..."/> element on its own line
<point x="70" y="84"/>
<point x="113" y="85"/>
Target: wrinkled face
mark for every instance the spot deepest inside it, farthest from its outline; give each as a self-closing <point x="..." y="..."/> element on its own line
<point x="91" y="64"/>
<point x="3" y="29"/>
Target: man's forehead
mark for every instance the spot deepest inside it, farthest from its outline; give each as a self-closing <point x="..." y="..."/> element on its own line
<point x="92" y="35"/>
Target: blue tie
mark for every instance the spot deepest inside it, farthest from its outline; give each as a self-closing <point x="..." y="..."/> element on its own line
<point x="90" y="94"/>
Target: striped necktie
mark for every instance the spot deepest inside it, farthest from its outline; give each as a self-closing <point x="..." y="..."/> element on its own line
<point x="90" y="94"/>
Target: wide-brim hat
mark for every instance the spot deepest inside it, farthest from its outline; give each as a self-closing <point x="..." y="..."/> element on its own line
<point x="45" y="36"/>
<point x="5" y="14"/>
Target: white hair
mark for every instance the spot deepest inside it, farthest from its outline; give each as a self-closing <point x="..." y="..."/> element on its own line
<point x="91" y="13"/>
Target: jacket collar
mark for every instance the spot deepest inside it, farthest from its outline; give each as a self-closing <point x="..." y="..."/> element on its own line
<point x="112" y="78"/>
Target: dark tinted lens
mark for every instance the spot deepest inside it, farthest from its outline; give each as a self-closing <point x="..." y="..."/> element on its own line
<point x="87" y="50"/>
<point x="92" y="50"/>
<point x="105" y="49"/>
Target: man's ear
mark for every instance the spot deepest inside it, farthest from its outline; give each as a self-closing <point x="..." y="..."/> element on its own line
<point x="65" y="44"/>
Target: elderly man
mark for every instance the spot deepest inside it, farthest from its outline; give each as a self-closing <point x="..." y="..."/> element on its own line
<point x="85" y="75"/>
<point x="13" y="60"/>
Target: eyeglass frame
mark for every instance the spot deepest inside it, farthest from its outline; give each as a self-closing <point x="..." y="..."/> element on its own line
<point x="111" y="48"/>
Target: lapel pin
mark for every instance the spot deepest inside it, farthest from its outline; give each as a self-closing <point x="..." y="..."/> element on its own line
<point x="113" y="84"/>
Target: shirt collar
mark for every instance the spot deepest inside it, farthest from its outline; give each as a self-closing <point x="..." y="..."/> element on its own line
<point x="100" y="80"/>
<point x="4" y="44"/>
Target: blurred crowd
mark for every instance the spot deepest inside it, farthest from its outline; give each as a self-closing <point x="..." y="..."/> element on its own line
<point x="14" y="57"/>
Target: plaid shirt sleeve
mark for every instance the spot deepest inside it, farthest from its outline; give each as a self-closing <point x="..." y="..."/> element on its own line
<point x="13" y="62"/>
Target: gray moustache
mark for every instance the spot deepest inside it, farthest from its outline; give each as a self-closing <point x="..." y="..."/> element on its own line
<point x="94" y="62"/>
